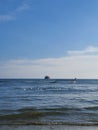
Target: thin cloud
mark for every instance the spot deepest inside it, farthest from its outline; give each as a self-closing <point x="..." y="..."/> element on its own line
<point x="13" y="14"/>
<point x="23" y="7"/>
<point x="89" y="50"/>
<point x="81" y="66"/>
<point x="6" y="17"/>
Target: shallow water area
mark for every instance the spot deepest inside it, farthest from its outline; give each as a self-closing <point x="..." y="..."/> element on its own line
<point x="50" y="127"/>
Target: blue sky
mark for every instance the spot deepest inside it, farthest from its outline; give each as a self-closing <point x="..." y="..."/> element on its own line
<point x="55" y="37"/>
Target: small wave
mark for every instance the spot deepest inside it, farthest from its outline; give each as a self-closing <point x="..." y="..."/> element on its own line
<point x="51" y="116"/>
<point x="50" y="123"/>
<point x="25" y="113"/>
<point x="92" y="108"/>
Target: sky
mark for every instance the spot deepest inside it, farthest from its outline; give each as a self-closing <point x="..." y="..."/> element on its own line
<point x="58" y="38"/>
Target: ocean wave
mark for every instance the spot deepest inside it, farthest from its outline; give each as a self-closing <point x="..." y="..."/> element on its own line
<point x="50" y="123"/>
<point x="92" y="108"/>
<point x="56" y="116"/>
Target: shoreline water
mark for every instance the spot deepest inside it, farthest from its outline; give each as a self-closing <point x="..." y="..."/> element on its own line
<point x="47" y="127"/>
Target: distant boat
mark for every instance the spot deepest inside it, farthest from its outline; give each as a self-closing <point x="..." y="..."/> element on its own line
<point x="74" y="80"/>
<point x="47" y="77"/>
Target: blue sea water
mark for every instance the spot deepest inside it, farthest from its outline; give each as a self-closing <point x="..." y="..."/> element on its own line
<point x="52" y="101"/>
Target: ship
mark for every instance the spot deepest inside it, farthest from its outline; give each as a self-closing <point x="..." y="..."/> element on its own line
<point x="47" y="77"/>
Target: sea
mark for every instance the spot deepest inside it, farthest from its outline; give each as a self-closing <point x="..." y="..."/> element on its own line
<point x="49" y="101"/>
